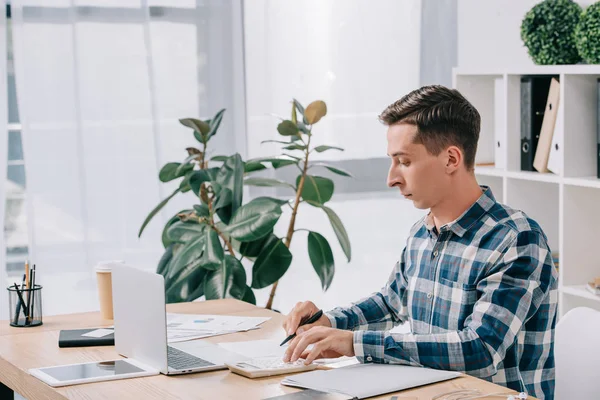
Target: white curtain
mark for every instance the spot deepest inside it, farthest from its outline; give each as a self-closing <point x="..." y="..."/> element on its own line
<point x="101" y="86"/>
<point x="358" y="56"/>
<point x="3" y="155"/>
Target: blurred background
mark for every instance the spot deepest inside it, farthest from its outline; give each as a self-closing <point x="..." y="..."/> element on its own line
<point x="94" y="89"/>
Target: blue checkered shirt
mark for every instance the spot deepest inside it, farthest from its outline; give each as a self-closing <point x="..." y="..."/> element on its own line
<point x="480" y="297"/>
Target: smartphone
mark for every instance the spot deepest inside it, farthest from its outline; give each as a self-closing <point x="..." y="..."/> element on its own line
<point x="73" y="374"/>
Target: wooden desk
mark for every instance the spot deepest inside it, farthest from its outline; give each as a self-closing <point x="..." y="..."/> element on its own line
<point x="24" y="348"/>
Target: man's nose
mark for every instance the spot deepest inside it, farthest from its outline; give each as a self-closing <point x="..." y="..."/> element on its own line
<point x="394" y="178"/>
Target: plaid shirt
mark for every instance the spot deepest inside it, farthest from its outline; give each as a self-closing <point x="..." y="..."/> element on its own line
<point x="480" y="297"/>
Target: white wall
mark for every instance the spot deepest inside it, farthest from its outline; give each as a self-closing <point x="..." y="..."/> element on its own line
<point x="489" y="33"/>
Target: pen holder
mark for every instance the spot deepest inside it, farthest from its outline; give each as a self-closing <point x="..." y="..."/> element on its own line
<point x="25" y="306"/>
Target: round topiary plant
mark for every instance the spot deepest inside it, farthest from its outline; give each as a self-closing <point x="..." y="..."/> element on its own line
<point x="587" y="34"/>
<point x="548" y="32"/>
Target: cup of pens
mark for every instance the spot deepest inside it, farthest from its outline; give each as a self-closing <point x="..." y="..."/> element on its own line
<point x="25" y="301"/>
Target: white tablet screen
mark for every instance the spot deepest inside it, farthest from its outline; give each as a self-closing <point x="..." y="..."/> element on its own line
<point x="91" y="370"/>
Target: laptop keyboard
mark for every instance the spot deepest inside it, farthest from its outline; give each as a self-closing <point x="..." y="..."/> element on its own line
<point x="178" y="359"/>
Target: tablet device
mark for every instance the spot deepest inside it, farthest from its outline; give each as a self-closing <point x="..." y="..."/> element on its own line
<point x="72" y="374"/>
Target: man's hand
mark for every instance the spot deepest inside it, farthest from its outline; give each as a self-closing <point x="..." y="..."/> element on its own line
<point x="328" y="343"/>
<point x="303" y="311"/>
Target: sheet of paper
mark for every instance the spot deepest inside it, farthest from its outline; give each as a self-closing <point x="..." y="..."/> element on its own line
<point x="98" y="333"/>
<point x="182" y="327"/>
<point x="256" y="348"/>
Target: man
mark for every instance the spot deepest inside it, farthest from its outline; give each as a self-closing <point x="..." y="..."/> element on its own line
<point x="475" y="281"/>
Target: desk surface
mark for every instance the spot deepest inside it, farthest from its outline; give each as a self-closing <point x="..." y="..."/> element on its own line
<point x="24" y="348"/>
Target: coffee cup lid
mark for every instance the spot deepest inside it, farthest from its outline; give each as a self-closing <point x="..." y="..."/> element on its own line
<point x="106" y="266"/>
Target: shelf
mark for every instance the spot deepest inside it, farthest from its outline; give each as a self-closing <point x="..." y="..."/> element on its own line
<point x="577" y="69"/>
<point x="590" y="181"/>
<point x="533" y="176"/>
<point x="580" y="291"/>
<point x="489" y="171"/>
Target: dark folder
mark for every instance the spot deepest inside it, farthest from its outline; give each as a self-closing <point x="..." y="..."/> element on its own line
<point x="598" y="122"/>
<point x="73" y="338"/>
<point x="534" y="94"/>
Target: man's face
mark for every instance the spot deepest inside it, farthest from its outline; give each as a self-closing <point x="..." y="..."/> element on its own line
<point x="420" y="176"/>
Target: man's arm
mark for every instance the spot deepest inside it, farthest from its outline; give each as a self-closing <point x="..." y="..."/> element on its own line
<point x="512" y="293"/>
<point x="380" y="311"/>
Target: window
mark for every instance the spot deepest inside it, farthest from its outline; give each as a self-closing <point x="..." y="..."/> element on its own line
<point x="15" y="223"/>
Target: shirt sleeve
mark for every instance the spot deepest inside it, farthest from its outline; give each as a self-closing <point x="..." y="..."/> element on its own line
<point x="512" y="293"/>
<point x="380" y="311"/>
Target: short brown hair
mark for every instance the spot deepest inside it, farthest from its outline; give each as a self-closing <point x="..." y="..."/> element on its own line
<point x="443" y="118"/>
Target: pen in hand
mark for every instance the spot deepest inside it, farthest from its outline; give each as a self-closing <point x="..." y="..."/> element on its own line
<point x="313" y="318"/>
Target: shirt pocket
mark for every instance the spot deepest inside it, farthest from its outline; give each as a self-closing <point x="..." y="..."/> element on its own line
<point x="454" y="303"/>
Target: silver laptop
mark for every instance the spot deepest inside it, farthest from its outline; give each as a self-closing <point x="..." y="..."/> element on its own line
<point x="141" y="327"/>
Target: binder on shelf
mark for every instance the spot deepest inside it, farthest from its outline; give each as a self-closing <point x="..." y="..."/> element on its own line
<point x="542" y="153"/>
<point x="534" y="95"/>
<point x="555" y="160"/>
<point x="500" y="123"/>
<point x="598" y="122"/>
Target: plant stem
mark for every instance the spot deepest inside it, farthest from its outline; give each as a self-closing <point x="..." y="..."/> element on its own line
<point x="290" y="233"/>
<point x="202" y="165"/>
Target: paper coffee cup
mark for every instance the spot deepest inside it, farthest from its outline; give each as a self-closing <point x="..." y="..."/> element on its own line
<point x="104" y="279"/>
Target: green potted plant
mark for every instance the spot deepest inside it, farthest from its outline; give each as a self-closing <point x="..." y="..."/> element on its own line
<point x="206" y="244"/>
<point x="548" y="32"/>
<point x="587" y="34"/>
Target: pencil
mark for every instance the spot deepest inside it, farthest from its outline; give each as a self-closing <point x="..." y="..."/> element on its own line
<point x="27" y="282"/>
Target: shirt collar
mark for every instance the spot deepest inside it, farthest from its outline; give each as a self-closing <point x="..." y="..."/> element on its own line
<point x="473" y="214"/>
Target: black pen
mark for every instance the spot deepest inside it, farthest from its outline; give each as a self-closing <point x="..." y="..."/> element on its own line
<point x="313" y="318"/>
<point x="22" y="303"/>
<point x="19" y="304"/>
<point x="32" y="295"/>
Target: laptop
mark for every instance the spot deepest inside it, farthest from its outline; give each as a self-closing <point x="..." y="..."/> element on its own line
<point x="141" y="327"/>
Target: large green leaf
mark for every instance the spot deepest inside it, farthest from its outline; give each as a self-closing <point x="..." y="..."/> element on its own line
<point x="156" y="210"/>
<point x="267" y="182"/>
<point x="213" y="252"/>
<point x="182" y="232"/>
<point x="276" y="162"/>
<point x="321" y="258"/>
<point x="189" y="254"/>
<point x="315" y="111"/>
<point x="340" y="231"/>
<point x="249" y="296"/>
<point x="215" y="122"/>
<point x="254" y="219"/>
<point x="165" y="240"/>
<point x="335" y="170"/>
<point x="287" y="128"/>
<point x="174" y="170"/>
<point x="271" y="264"/>
<point x="323" y="148"/>
<point x="295" y="146"/>
<point x="253" y="166"/>
<point x="199" y="177"/>
<point x="229" y="280"/>
<point x="188" y="285"/>
<point x="316" y="188"/>
<point x="164" y="261"/>
<point x="224" y="199"/>
<point x="231" y="176"/>
<point x="253" y="249"/>
<point x="202" y="210"/>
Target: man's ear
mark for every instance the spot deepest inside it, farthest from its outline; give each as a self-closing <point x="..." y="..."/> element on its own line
<point x="454" y="157"/>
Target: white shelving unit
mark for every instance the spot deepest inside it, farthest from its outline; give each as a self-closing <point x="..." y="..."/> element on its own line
<point x="566" y="203"/>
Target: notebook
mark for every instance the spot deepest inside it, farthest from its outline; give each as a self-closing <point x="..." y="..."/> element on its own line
<point x="368" y="380"/>
<point x="86" y="337"/>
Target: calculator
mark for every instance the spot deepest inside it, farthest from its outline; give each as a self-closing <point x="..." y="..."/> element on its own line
<point x="268" y="366"/>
